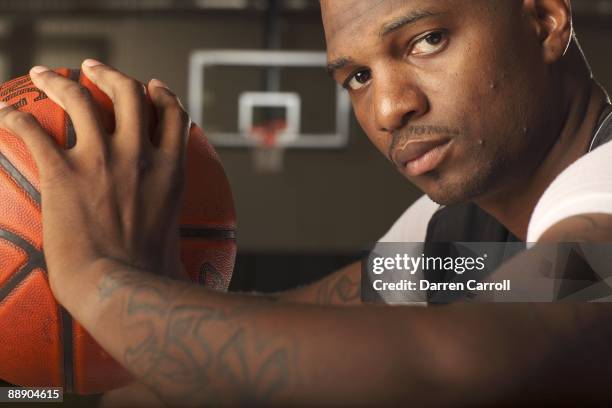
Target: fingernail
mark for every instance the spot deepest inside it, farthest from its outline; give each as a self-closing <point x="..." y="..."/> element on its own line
<point x="3" y="104"/>
<point x="90" y="62"/>
<point x="39" y="69"/>
<point x="158" y="84"/>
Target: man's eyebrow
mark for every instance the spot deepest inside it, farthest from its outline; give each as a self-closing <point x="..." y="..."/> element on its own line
<point x="337" y="64"/>
<point x="388" y="28"/>
<point x="402" y="21"/>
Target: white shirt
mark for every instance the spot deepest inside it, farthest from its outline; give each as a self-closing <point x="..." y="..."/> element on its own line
<point x="585" y="187"/>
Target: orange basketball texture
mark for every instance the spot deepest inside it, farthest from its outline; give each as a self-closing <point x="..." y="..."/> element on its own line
<point x="40" y="344"/>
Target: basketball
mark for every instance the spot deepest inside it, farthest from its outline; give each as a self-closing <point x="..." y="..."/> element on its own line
<point x="41" y="344"/>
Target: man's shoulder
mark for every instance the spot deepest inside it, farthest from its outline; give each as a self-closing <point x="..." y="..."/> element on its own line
<point x="584" y="187"/>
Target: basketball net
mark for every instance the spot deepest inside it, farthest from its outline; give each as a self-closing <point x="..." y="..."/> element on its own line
<point x="267" y="155"/>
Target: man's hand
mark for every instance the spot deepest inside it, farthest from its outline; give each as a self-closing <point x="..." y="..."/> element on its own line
<point x="97" y="205"/>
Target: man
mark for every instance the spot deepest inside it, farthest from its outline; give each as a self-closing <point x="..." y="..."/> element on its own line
<point x="485" y="102"/>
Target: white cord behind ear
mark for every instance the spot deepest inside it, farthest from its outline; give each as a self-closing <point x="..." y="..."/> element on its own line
<point x="598" y="132"/>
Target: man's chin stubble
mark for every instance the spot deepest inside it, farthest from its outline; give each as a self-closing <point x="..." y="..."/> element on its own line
<point x="447" y="192"/>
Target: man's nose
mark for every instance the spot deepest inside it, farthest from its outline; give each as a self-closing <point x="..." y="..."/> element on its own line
<point x="397" y="101"/>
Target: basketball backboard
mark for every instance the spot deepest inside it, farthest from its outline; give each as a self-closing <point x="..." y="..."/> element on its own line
<point x="230" y="93"/>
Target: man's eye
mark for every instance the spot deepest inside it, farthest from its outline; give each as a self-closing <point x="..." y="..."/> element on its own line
<point x="359" y="80"/>
<point x="429" y="44"/>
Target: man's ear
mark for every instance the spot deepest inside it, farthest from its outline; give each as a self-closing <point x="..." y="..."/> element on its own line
<point x="552" y="20"/>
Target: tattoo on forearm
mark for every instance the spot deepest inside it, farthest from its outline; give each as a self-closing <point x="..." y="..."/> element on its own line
<point x="191" y="354"/>
<point x="339" y="290"/>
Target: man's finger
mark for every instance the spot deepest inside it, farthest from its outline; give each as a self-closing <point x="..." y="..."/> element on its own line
<point x="128" y="96"/>
<point x="77" y="102"/>
<point x="47" y="154"/>
<point x="173" y="126"/>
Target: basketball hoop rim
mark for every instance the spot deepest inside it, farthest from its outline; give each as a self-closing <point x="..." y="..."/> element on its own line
<point x="280" y="139"/>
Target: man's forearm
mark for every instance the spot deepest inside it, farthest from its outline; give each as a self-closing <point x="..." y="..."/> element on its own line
<point x="342" y="287"/>
<point x="192" y="346"/>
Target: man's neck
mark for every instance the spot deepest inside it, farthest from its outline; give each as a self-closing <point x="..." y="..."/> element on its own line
<point x="513" y="205"/>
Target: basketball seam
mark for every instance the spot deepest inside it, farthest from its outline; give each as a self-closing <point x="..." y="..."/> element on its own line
<point x="68" y="349"/>
<point x="35" y="261"/>
<point x="35" y="257"/>
<point x="20" y="179"/>
<point x="209" y="233"/>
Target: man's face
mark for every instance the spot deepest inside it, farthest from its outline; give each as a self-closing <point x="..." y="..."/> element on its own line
<point x="451" y="91"/>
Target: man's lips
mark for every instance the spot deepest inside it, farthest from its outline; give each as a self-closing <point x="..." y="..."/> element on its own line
<point x="420" y="156"/>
